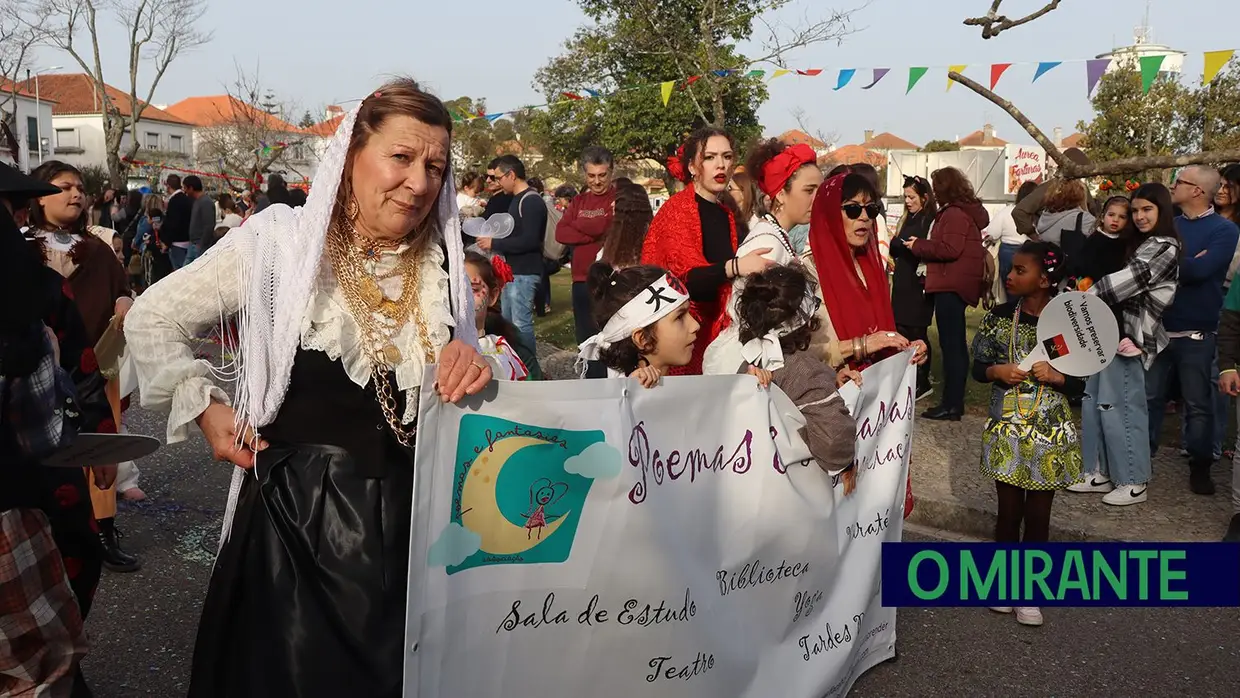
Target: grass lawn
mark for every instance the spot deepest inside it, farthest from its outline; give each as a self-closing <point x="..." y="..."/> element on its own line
<point x="557" y="330"/>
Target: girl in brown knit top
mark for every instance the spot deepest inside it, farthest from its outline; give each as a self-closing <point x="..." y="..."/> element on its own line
<point x="776" y="320"/>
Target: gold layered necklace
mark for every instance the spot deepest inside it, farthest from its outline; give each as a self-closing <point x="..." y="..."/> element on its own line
<point x="355" y="262"/>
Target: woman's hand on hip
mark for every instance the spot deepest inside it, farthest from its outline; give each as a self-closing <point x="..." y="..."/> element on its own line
<point x="461" y="371"/>
<point x="219" y="424"/>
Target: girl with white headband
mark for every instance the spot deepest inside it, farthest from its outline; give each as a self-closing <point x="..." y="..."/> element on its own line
<point x="647" y="327"/>
<point x="775" y="322"/>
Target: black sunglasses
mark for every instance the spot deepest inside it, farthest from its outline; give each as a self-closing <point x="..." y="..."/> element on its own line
<point x="495" y="178"/>
<point x="853" y="211"/>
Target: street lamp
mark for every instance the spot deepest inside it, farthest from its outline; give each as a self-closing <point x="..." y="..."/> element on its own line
<point x="38" y="116"/>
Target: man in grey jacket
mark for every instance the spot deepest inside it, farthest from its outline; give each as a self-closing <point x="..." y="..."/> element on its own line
<point x="202" y="215"/>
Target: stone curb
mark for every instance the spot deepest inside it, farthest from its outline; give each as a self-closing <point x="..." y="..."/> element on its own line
<point x="954" y="516"/>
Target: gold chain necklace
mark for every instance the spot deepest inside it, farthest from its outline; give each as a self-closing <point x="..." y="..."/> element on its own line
<point x="366" y="300"/>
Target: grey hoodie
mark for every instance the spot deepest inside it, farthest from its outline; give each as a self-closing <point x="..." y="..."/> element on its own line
<point x="1050" y="226"/>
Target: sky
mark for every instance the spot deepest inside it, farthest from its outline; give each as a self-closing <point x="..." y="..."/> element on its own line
<point x="317" y="52"/>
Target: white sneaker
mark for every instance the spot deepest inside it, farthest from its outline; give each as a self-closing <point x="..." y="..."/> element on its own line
<point x="1093" y="483"/>
<point x="1028" y="615"/>
<point x="1001" y="609"/>
<point x="1126" y="494"/>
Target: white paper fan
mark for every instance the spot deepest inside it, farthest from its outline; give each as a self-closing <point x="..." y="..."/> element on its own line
<point x="496" y="227"/>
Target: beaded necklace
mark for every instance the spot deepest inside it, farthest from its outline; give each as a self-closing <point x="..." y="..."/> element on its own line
<point x="783" y="236"/>
<point x="1012" y="349"/>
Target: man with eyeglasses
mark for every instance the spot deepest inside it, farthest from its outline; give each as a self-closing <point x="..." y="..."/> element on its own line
<point x="1208" y="242"/>
<point x="499" y="201"/>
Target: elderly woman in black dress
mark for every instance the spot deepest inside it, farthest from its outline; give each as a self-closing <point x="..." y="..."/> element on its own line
<point x="342" y="304"/>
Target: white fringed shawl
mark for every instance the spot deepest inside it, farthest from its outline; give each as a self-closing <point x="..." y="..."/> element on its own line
<point x="280" y="278"/>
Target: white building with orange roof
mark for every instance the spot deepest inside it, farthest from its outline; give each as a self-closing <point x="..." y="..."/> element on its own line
<point x="77" y="119"/>
<point x="32" y="118"/>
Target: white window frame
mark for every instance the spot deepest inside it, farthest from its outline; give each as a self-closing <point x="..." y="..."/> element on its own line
<point x="147" y="138"/>
<point x="176" y="143"/>
<point x="60" y="143"/>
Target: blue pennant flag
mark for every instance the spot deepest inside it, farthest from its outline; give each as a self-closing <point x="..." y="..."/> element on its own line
<point x="1043" y="68"/>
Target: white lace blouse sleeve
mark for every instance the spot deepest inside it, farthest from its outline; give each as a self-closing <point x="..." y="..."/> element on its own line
<point x="161" y="327"/>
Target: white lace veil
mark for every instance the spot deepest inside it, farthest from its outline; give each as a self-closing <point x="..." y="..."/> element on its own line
<point x="282" y="258"/>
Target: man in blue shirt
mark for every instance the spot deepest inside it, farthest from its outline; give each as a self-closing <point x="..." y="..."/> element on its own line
<point x="1209" y="242"/>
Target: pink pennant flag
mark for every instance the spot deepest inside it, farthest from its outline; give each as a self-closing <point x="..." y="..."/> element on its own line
<point x="1094" y="69"/>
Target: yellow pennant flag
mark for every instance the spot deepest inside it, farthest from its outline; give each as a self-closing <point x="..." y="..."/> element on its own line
<point x="1215" y="60"/>
<point x="780" y="73"/>
<point x="667" y="90"/>
<point x="954" y="69"/>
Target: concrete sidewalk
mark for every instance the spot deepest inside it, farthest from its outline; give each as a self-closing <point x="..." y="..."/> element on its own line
<point x="952" y="495"/>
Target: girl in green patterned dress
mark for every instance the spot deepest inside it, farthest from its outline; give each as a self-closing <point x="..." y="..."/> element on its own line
<point x="1030" y="444"/>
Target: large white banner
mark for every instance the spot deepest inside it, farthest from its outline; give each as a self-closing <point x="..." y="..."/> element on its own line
<point x="594" y="538"/>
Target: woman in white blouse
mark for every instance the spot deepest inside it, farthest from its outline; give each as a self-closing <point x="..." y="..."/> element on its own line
<point x="787" y="178"/>
<point x="342" y="303"/>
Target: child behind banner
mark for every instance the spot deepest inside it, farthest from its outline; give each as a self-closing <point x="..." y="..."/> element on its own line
<point x="499" y="340"/>
<point x="1030" y="442"/>
<point x="776" y="319"/>
<point x="647" y="328"/>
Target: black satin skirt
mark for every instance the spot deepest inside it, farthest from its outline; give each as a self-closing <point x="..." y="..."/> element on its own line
<point x="307" y="597"/>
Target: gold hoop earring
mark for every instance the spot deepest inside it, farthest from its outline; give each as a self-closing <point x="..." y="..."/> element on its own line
<point x="351" y="209"/>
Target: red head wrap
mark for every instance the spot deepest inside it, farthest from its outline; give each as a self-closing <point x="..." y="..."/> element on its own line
<point x="779" y="169"/>
<point x="855" y="309"/>
<point x="676" y="165"/>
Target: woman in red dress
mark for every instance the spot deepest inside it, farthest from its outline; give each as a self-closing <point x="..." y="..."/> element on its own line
<point x="694" y="235"/>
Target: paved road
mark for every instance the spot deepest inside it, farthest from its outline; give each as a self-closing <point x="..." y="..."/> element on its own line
<point x="143" y="624"/>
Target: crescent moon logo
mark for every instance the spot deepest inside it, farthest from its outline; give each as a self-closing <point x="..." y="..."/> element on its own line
<point x="480" y="510"/>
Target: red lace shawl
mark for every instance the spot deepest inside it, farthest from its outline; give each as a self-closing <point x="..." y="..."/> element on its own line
<point x="674" y="242"/>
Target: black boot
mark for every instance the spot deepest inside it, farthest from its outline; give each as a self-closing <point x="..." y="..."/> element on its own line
<point x="1199" y="478"/>
<point x="114" y="558"/>
<point x="941" y="413"/>
<point x="1233" y="531"/>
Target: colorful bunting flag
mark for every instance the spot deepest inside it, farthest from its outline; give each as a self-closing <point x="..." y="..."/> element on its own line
<point x="914" y="74"/>
<point x="690" y="81"/>
<point x="996" y="72"/>
<point x="1043" y="68"/>
<point x="780" y="73"/>
<point x="755" y="74"/>
<point x="1150" y="65"/>
<point x="571" y="95"/>
<point x="1093" y="72"/>
<point x="954" y="69"/>
<point x="1215" y="60"/>
<point x="845" y="76"/>
<point x="812" y="72"/>
<point x="494" y="117"/>
<point x="594" y="93"/>
<point x="667" y="90"/>
<point x="722" y="73"/>
<point x="879" y="74"/>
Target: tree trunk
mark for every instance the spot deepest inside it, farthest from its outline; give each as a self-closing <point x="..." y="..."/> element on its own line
<point x="717" y="106"/>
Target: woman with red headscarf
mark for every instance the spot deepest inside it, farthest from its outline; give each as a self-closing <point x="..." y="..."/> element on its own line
<point x="858" y="326"/>
<point x="787" y="178"/>
<point x="694" y="235"/>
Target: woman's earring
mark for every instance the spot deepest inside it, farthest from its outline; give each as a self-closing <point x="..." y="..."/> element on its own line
<point x="351" y="209"/>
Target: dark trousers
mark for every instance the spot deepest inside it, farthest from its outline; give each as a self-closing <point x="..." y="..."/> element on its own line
<point x="913" y="333"/>
<point x="583" y="321"/>
<point x="1186" y="364"/>
<point x="953" y="347"/>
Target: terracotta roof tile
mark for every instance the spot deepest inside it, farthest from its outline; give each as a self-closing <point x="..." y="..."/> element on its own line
<point x="6" y="86"/>
<point x="852" y="155"/>
<point x="796" y="136"/>
<point x="978" y="138"/>
<point x="224" y="109"/>
<point x="889" y="141"/>
<point x="1076" y="140"/>
<point x="326" y="129"/>
<point x="74" y="93"/>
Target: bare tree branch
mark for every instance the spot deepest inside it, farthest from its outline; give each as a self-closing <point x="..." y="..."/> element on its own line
<point x="158" y="32"/>
<point x="783" y="38"/>
<point x="17" y="40"/>
<point x="252" y="132"/>
<point x="1071" y="170"/>
<point x="649" y="12"/>
<point x="993" y="23"/>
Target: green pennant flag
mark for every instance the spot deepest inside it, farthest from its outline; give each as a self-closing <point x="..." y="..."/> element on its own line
<point x="1150" y="66"/>
<point x="914" y="74"/>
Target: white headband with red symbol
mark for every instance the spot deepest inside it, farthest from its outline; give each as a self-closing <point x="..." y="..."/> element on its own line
<point x="654" y="303"/>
